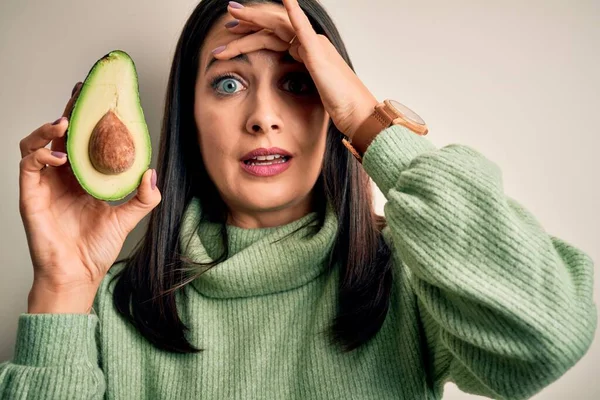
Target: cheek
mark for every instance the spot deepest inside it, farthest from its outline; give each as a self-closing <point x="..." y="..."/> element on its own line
<point x="215" y="144"/>
<point x="314" y="128"/>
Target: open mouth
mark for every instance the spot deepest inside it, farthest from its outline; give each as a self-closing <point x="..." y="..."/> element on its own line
<point x="267" y="160"/>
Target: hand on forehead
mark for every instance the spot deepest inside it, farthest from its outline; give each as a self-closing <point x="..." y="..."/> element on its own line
<point x="221" y="35"/>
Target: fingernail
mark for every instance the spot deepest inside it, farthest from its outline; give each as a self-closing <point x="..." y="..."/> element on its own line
<point x="58" y="154"/>
<point x="58" y="121"/>
<point x="218" y="50"/>
<point x="153" y="179"/>
<point x="235" y="4"/>
<point x="75" y="88"/>
<point x="232" y="23"/>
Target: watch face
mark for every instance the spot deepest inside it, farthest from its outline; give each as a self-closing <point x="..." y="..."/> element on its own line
<point x="407" y="112"/>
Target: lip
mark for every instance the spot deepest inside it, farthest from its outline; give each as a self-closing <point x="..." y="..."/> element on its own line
<point x="266" y="170"/>
<point x="261" y="151"/>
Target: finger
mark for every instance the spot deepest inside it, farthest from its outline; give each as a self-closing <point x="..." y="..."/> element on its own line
<point x="278" y="22"/>
<point x="42" y="136"/>
<point x="77" y="86"/>
<point x="72" y="100"/>
<point x="59" y="144"/>
<point x="129" y="214"/>
<point x="300" y="23"/>
<point x="31" y="165"/>
<point x="295" y="51"/>
<point x="243" y="27"/>
<point x="253" y="42"/>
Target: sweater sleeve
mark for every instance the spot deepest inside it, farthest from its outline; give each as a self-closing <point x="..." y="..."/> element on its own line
<point x="56" y="357"/>
<point x="505" y="308"/>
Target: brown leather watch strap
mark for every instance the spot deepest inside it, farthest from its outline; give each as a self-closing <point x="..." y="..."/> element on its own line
<point x="370" y="128"/>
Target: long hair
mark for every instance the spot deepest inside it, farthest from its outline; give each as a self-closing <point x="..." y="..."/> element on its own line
<point x="146" y="288"/>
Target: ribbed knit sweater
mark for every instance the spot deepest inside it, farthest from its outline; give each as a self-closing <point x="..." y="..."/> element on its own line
<point x="482" y="296"/>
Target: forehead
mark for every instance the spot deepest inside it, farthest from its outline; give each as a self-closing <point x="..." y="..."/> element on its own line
<point x="219" y="35"/>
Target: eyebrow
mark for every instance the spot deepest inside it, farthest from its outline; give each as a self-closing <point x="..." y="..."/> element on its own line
<point x="286" y="58"/>
<point x="240" y="57"/>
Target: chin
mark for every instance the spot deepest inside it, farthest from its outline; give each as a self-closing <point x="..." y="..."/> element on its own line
<point x="267" y="203"/>
<point x="271" y="197"/>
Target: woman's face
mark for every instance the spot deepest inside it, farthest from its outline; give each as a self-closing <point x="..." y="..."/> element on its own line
<point x="259" y="100"/>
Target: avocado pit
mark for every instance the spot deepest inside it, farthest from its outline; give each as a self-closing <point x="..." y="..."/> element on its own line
<point x="111" y="148"/>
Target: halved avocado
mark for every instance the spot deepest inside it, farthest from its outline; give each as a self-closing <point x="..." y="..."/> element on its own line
<point x="108" y="142"/>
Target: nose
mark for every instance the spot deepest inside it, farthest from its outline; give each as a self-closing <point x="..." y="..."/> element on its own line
<point x="265" y="112"/>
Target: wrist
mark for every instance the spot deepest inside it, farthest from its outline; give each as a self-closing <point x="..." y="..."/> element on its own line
<point x="362" y="115"/>
<point x="44" y="299"/>
<point x="367" y="129"/>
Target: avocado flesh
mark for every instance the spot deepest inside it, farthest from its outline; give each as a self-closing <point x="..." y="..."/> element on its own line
<point x="109" y="93"/>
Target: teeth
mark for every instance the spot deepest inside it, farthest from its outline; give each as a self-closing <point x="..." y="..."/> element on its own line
<point x="265" y="158"/>
<point x="280" y="160"/>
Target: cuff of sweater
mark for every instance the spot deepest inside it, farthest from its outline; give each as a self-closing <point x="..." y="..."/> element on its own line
<point x="45" y="340"/>
<point x="391" y="152"/>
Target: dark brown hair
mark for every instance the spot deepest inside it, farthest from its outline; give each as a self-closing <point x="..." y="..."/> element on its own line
<point x="146" y="287"/>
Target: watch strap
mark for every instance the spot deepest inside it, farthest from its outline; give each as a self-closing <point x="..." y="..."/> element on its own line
<point x="370" y="128"/>
<point x="352" y="150"/>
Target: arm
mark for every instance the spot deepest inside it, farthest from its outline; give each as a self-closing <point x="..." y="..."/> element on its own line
<point x="56" y="357"/>
<point x="56" y="353"/>
<point x="506" y="308"/>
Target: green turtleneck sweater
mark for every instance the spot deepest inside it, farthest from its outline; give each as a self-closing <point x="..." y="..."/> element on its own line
<point x="482" y="296"/>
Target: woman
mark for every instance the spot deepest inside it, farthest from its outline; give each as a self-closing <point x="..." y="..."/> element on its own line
<point x="270" y="276"/>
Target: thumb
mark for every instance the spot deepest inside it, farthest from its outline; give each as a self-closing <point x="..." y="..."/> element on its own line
<point x="129" y="214"/>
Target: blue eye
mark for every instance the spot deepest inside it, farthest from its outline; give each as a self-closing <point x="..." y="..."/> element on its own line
<point x="226" y="85"/>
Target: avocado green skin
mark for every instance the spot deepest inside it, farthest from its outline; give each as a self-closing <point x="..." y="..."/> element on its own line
<point x="80" y="175"/>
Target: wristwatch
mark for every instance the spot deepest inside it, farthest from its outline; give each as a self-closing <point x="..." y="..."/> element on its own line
<point x="385" y="114"/>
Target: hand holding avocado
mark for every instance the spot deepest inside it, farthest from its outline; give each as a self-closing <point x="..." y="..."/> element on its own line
<point x="73" y="236"/>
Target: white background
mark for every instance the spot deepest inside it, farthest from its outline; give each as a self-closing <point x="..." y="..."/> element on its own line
<point x="517" y="80"/>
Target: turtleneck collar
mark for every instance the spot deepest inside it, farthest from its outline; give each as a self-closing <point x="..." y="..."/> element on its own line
<point x="261" y="261"/>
